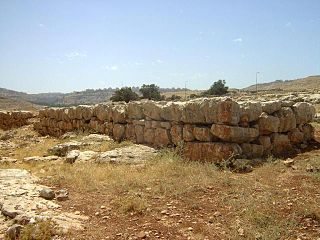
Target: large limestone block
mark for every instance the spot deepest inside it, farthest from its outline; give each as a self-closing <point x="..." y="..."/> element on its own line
<point x="234" y="134"/>
<point x="308" y="131"/>
<point x="162" y="137"/>
<point x="109" y="128"/>
<point x="281" y="145"/>
<point x="287" y="119"/>
<point x="271" y="106"/>
<point x="202" y="134"/>
<point x="265" y="141"/>
<point x="252" y="151"/>
<point x="296" y="136"/>
<point x="188" y="133"/>
<point x="119" y="113"/>
<point x="85" y="111"/>
<point x="177" y="134"/>
<point x="268" y="124"/>
<point x="139" y="131"/>
<point x="72" y="113"/>
<point x="228" y="112"/>
<point x="135" y="110"/>
<point x="172" y="111"/>
<point x="102" y="112"/>
<point x="249" y="112"/>
<point x="130" y="133"/>
<point x="152" y="110"/>
<point x="193" y="112"/>
<point x="149" y="135"/>
<point x="119" y="131"/>
<point x="304" y="112"/>
<point x="211" y="151"/>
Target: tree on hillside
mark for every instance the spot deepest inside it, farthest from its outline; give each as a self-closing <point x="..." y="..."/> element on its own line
<point x="124" y="94"/>
<point x="217" y="88"/>
<point x="151" y="92"/>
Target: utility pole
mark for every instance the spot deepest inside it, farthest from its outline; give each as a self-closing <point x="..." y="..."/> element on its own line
<point x="257" y="81"/>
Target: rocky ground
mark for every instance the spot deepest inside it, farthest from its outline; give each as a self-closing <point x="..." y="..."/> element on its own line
<point x="83" y="186"/>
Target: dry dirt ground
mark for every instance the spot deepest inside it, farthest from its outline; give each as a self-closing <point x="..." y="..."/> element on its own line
<point x="169" y="198"/>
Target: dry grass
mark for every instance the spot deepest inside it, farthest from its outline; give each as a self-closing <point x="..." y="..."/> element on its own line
<point x="269" y="203"/>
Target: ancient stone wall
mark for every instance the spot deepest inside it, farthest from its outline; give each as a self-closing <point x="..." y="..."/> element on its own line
<point x="14" y="119"/>
<point x="209" y="129"/>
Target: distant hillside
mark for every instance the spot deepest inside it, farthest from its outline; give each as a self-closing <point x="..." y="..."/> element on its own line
<point x="311" y="82"/>
<point x="89" y="96"/>
<point x="13" y="104"/>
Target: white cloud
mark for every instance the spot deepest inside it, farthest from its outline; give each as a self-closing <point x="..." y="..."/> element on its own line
<point x="238" y="40"/>
<point x="41" y="25"/>
<point x="111" y="67"/>
<point x="76" y="54"/>
<point x="138" y="63"/>
<point x="159" y="61"/>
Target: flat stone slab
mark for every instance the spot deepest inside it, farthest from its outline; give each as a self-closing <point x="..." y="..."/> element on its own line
<point x="19" y="196"/>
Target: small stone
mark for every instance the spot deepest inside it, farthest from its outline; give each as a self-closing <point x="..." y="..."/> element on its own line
<point x="62" y="195"/>
<point x="13" y="232"/>
<point x="47" y="193"/>
<point x="77" y="212"/>
<point x="142" y="235"/>
<point x="190" y="229"/>
<point x="97" y="214"/>
<point x="289" y="162"/>
<point x="102" y="207"/>
<point x="241" y="232"/>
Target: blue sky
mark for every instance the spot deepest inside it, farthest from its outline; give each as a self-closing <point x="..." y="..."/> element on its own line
<point x="74" y="45"/>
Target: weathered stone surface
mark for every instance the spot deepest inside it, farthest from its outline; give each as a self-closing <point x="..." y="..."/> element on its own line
<point x="19" y="198"/>
<point x="152" y="110"/>
<point x="135" y="110"/>
<point x="41" y="159"/>
<point x="252" y="151"/>
<point x="287" y="119"/>
<point x="271" y="106"/>
<point x="193" y="112"/>
<point x="304" y="112"/>
<point x="234" y="134"/>
<point x="203" y="134"/>
<point x="62" y="195"/>
<point x="13" y="232"/>
<point x="119" y="113"/>
<point x="249" y="112"/>
<point x="119" y="131"/>
<point x="72" y="156"/>
<point x="13" y="119"/>
<point x="188" y="133"/>
<point x="281" y="145"/>
<point x="228" y="112"/>
<point x="62" y="149"/>
<point x="163" y="137"/>
<point x="149" y="135"/>
<point x="296" y="136"/>
<point x="211" y="151"/>
<point x="308" y="131"/>
<point x="47" y="193"/>
<point x="139" y="131"/>
<point x="135" y="154"/>
<point x="176" y="134"/>
<point x="166" y="125"/>
<point x="102" y="112"/>
<point x="265" y="141"/>
<point x="268" y="124"/>
<point x="172" y="111"/>
<point x="130" y="133"/>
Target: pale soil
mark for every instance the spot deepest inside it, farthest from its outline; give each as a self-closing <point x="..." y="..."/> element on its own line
<point x="169" y="198"/>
